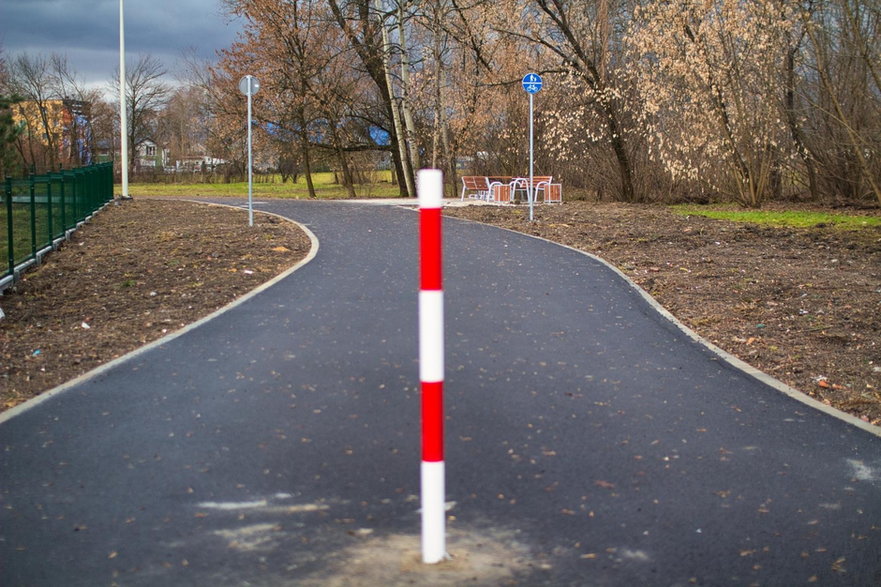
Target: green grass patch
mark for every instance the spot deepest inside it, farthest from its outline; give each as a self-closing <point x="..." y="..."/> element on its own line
<point x="792" y="219"/>
<point x="325" y="188"/>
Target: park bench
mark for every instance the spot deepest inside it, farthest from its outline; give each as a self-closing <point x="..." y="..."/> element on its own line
<point x="485" y="188"/>
<point x="475" y="187"/>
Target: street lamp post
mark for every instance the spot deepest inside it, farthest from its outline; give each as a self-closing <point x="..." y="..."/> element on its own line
<point x="123" y="114"/>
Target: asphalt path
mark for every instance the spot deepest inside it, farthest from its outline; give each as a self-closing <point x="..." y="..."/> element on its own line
<point x="590" y="441"/>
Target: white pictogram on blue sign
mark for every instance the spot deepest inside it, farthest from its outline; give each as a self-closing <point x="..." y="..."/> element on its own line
<point x="532" y="83"/>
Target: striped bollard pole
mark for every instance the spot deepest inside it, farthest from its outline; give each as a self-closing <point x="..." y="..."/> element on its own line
<point x="429" y="186"/>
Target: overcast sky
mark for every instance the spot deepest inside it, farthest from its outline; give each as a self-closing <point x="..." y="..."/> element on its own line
<point x="87" y="32"/>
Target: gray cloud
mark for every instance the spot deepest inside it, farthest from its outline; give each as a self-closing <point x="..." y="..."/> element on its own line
<point x="87" y="31"/>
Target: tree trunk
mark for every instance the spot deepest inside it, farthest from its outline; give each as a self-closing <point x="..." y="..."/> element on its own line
<point x="409" y="126"/>
<point x="396" y="117"/>
<point x="50" y="137"/>
<point x="348" y="181"/>
<point x="305" y="151"/>
<point x="450" y="158"/>
<point x="625" y="167"/>
<point x="794" y="129"/>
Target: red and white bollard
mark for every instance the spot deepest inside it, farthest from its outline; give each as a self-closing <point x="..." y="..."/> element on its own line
<point x="429" y="186"/>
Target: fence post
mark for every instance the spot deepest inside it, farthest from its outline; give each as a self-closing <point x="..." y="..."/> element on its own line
<point x="33" y="187"/>
<point x="87" y="190"/>
<point x="80" y="195"/>
<point x="108" y="184"/>
<point x="71" y="195"/>
<point x="108" y="181"/>
<point x="9" y="226"/>
<point x="49" y="231"/>
<point x="95" y="186"/>
<point x="63" y="203"/>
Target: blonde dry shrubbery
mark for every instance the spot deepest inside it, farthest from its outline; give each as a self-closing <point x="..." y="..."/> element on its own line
<point x="709" y="77"/>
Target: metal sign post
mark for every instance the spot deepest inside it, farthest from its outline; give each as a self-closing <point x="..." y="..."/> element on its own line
<point x="532" y="84"/>
<point x="249" y="86"/>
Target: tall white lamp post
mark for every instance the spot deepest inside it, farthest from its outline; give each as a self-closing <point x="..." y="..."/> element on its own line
<point x="123" y="114"/>
<point x="249" y="86"/>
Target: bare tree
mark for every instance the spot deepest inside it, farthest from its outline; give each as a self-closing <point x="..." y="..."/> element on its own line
<point x="181" y="123"/>
<point x="219" y="112"/>
<point x="30" y="78"/>
<point x="146" y="95"/>
<point x="843" y="95"/>
<point x="78" y="101"/>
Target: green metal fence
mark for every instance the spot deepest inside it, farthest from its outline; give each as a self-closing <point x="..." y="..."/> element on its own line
<point x="40" y="211"/>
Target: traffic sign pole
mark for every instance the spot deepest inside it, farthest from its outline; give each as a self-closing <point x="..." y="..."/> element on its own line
<point x="531" y="191"/>
<point x="251" y="164"/>
<point x="249" y="86"/>
<point x="532" y="83"/>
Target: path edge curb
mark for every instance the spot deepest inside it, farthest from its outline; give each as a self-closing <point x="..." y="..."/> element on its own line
<point x="49" y="394"/>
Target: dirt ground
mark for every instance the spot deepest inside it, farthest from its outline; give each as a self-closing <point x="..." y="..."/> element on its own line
<point x="800" y="304"/>
<point x="803" y="305"/>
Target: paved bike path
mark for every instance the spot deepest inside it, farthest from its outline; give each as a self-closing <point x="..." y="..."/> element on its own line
<point x="589" y="440"/>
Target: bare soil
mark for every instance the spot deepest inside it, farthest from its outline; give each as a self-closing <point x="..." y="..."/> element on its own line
<point x="800" y="304"/>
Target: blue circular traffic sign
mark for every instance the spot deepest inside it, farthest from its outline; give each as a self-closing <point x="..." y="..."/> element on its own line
<point x="532" y="83"/>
